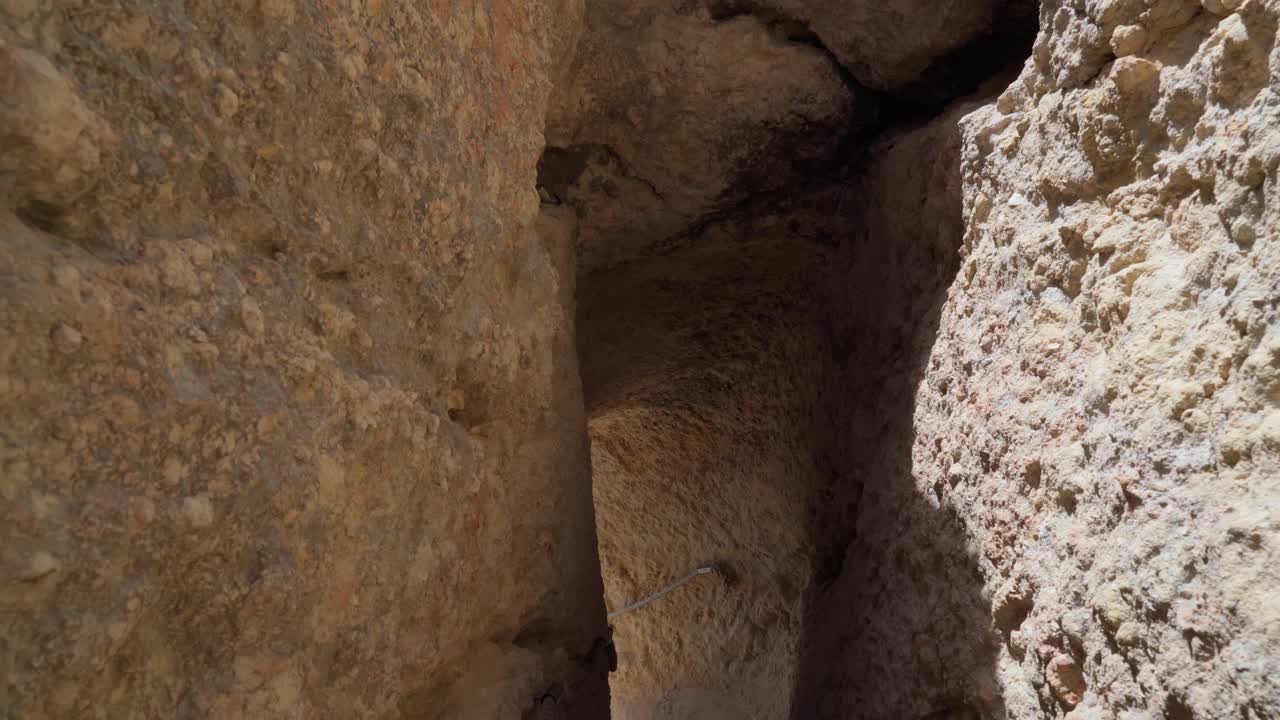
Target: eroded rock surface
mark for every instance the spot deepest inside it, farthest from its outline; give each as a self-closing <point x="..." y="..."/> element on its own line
<point x="897" y="623"/>
<point x="290" y="423"/>
<point x="1089" y="428"/>
<point x="704" y="151"/>
<point x="673" y="114"/>
<point x="667" y="116"/>
<point x="1104" y="383"/>
<point x="977" y="395"/>
<point x="910" y="49"/>
<point x="704" y="435"/>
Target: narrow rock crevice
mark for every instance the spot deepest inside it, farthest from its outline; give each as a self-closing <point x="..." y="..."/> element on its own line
<point x="358" y="358"/>
<point x="560" y="167"/>
<point x="741" y="371"/>
<point x="753" y="189"/>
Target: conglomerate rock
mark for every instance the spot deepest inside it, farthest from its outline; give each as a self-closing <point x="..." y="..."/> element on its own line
<point x="977" y="398"/>
<point x="290" y="423"/>
<point x="1102" y="404"/>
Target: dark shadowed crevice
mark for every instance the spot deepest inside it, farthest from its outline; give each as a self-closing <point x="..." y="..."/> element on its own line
<point x="963" y="71"/>
<point x="960" y="73"/>
<point x="894" y="596"/>
<point x="559" y="168"/>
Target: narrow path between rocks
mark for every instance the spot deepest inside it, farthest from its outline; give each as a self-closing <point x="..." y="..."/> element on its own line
<point x="763" y="234"/>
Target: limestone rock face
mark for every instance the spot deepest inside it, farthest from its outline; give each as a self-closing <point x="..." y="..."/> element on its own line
<point x="676" y="113"/>
<point x="704" y="448"/>
<point x="290" y="423"/>
<point x="699" y="152"/>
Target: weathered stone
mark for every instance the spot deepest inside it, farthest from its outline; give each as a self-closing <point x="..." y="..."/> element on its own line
<point x="956" y="353"/>
<point x="197" y="328"/>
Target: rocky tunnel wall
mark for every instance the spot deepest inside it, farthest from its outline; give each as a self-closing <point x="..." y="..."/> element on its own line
<point x="745" y="278"/>
<point x="290" y="417"/>
<point x="702" y="400"/>
<point x="896" y="618"/>
<point x="1067" y="470"/>
<point x="1009" y="452"/>
<point x="979" y="404"/>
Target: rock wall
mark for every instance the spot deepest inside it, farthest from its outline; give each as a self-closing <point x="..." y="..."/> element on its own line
<point x="1102" y="401"/>
<point x="896" y="625"/>
<point x="980" y="405"/>
<point x="670" y="117"/>
<point x="913" y="50"/>
<point x="290" y="419"/>
<point x="1069" y="505"/>
<point x="699" y="152"/>
<point x="703" y="399"/>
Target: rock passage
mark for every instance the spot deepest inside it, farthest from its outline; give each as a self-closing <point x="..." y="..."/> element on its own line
<point x="356" y="356"/>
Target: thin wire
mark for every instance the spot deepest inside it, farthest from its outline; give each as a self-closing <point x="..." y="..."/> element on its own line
<point x="706" y="569"/>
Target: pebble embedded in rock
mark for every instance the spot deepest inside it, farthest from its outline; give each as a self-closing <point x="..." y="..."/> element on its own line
<point x="228" y="101"/>
<point x="252" y="318"/>
<point x="1065" y="680"/>
<point x="1128" y="40"/>
<point x="198" y="511"/>
<point x="66" y="339"/>
<point x="40" y="565"/>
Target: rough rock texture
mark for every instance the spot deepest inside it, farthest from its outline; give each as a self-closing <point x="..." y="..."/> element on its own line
<point x="978" y="401"/>
<point x="288" y="394"/>
<point x="1106" y="380"/>
<point x="701" y="147"/>
<point x="909" y="48"/>
<point x="703" y="403"/>
<point x="667" y="120"/>
<point x="1078" y="515"/>
<point x="896" y="625"/>
<point x="668" y="116"/>
<point x="675" y="114"/>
